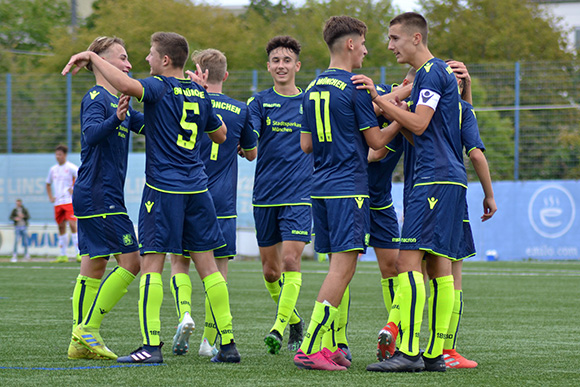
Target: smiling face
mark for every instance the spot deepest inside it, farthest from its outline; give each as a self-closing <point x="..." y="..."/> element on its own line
<point x="117" y="56"/>
<point x="155" y="61"/>
<point x="283" y="64"/>
<point x="401" y="43"/>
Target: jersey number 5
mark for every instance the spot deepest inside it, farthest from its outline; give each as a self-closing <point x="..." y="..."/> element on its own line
<point x="188" y="126"/>
<point x="320" y="110"/>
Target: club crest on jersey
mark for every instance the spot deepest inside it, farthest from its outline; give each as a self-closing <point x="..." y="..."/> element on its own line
<point x="268" y="121"/>
<point x="127" y="239"/>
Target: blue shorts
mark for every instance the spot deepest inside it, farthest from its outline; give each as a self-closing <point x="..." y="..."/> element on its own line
<point x="466" y="246"/>
<point x="434" y="219"/>
<point x="283" y="223"/>
<point x="385" y="228"/>
<point x="101" y="236"/>
<point x="341" y="224"/>
<point x="228" y="227"/>
<point x="178" y="223"/>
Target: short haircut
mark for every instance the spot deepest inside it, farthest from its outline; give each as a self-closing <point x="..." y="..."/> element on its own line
<point x="213" y="60"/>
<point x="411" y="74"/>
<point x="283" y="41"/>
<point x="101" y="44"/>
<point x="412" y="22"/>
<point x="62" y="148"/>
<point x="461" y="83"/>
<point x="338" y="26"/>
<point x="173" y="45"/>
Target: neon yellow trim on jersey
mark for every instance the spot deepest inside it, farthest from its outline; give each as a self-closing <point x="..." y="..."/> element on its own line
<point x="224" y="256"/>
<point x="176" y="192"/>
<point x="256" y="147"/>
<point x="101" y="215"/>
<point x="469" y="151"/>
<point x="102" y="256"/>
<point x="469" y="256"/>
<point x="257" y="133"/>
<point x="227" y="217"/>
<point x="288" y="96"/>
<point x="465" y="220"/>
<point x="381" y="208"/>
<point x="141" y="129"/>
<point x="365" y="128"/>
<point x="282" y="205"/>
<point x="392" y="150"/>
<point x="340" y="197"/>
<point x="143" y="96"/>
<point x="344" y="251"/>
<point x="441" y="182"/>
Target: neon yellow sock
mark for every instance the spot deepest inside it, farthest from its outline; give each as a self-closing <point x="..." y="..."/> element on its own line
<point x="84" y="294"/>
<point x="150" y="299"/>
<point x="329" y="338"/>
<point x="274" y="290"/>
<point x="209" y="330"/>
<point x="441" y="302"/>
<point x="181" y="290"/>
<point x="113" y="287"/>
<point x="411" y="294"/>
<point x="216" y="291"/>
<point x="322" y="318"/>
<point x="451" y="337"/>
<point x="341" y="323"/>
<point x="291" y="283"/>
<point x="389" y="286"/>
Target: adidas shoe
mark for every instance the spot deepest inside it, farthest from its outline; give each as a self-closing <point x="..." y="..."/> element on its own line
<point x="399" y="362"/>
<point x="345" y="351"/>
<point x="92" y="340"/>
<point x="273" y="341"/>
<point x="205" y="349"/>
<point x="387" y="341"/>
<point x="181" y="338"/>
<point x="435" y="364"/>
<point x="78" y="351"/>
<point x="227" y="354"/>
<point x="61" y="259"/>
<point x="455" y="360"/>
<point x="296" y="336"/>
<point x="145" y="354"/>
<point x="337" y="357"/>
<point x="316" y="361"/>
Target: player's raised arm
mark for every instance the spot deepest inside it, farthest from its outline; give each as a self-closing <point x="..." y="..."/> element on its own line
<point x="118" y="79"/>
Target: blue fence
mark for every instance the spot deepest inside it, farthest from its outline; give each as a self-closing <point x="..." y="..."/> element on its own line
<point x="536" y="219"/>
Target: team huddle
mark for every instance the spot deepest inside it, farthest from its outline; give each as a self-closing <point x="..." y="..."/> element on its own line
<point x="325" y="158"/>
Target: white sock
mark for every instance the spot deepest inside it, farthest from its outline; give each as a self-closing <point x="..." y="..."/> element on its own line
<point x="62" y="243"/>
<point x="75" y="239"/>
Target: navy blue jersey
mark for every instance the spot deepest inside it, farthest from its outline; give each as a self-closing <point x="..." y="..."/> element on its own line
<point x="438" y="150"/>
<point x="177" y="113"/>
<point x="381" y="174"/>
<point x="336" y="113"/>
<point x="470" y="138"/>
<point x="104" y="152"/>
<point x="221" y="160"/>
<point x="408" y="169"/>
<point x="283" y="171"/>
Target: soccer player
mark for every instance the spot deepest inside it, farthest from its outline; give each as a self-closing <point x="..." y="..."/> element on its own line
<point x="281" y="198"/>
<point x="98" y="200"/>
<point x="61" y="179"/>
<point x="177" y="214"/>
<point x="221" y="167"/>
<point x="474" y="149"/>
<point x="339" y="123"/>
<point x="434" y="216"/>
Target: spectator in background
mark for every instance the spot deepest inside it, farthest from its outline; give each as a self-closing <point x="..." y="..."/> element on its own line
<point x="20" y="218"/>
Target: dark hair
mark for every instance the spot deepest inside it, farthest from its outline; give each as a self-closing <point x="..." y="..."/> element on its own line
<point x="173" y="45"/>
<point x="62" y="148"/>
<point x="213" y="60"/>
<point x="412" y="22"/>
<point x="101" y="44"/>
<point x="283" y="41"/>
<point x="338" y="26"/>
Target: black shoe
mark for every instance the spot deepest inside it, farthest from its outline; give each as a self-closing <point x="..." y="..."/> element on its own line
<point x="228" y="353"/>
<point x="273" y="342"/>
<point x="436" y="364"/>
<point x="345" y="351"/>
<point x="145" y="354"/>
<point x="400" y="362"/>
<point x="296" y="336"/>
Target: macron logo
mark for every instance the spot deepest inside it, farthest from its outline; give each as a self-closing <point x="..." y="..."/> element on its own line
<point x="426" y="95"/>
<point x="432" y="202"/>
<point x="94" y="93"/>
